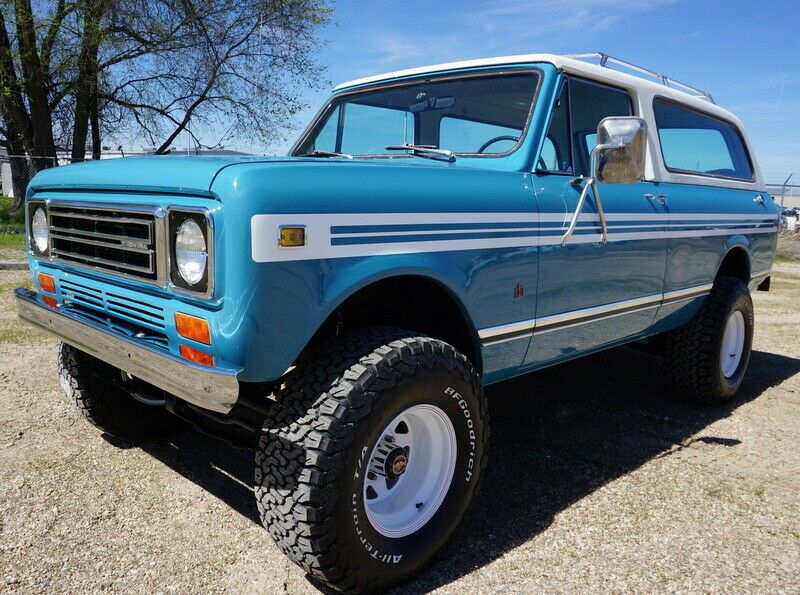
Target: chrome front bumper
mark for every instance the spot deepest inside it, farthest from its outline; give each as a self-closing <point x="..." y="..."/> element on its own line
<point x="216" y="389"/>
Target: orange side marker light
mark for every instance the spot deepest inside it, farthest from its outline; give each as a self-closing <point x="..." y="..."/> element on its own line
<point x="47" y="282"/>
<point x="192" y="327"/>
<point x="198" y="357"/>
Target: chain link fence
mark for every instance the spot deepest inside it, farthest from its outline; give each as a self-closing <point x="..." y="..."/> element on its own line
<point x="785" y="189"/>
<point x="17" y="171"/>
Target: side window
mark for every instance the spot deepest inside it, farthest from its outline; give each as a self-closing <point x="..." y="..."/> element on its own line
<point x="591" y="102"/>
<point x="695" y="143"/>
<point x="468" y="136"/>
<point x="548" y="160"/>
<point x="326" y="139"/>
<point x="556" y="154"/>
<point x="369" y="129"/>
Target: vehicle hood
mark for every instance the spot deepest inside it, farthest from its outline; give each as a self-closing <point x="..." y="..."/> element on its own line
<point x="174" y="174"/>
<point x="171" y="174"/>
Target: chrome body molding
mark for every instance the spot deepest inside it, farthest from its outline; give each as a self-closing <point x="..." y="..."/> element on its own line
<point x="686" y="294"/>
<point x="514" y="330"/>
<point x="557" y="322"/>
<point x="216" y="389"/>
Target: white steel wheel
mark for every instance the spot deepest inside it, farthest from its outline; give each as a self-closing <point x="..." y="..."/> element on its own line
<point x="732" y="348"/>
<point x="410" y="470"/>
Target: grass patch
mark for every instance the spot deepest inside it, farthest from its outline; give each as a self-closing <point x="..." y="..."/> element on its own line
<point x="12" y="241"/>
<point x="19" y="333"/>
<point x="788" y="247"/>
<point x="10" y="287"/>
<point x="9" y="217"/>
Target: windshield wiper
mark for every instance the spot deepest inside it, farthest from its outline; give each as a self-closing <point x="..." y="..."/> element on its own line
<point x="428" y="151"/>
<point x="327" y="154"/>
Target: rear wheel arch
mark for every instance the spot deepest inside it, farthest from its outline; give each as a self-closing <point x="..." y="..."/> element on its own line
<point x="736" y="262"/>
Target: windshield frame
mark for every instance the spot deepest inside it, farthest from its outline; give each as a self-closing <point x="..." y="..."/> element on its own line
<point x="334" y="101"/>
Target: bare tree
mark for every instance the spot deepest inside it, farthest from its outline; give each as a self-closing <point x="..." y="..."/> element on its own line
<point x="226" y="66"/>
<point x="73" y="69"/>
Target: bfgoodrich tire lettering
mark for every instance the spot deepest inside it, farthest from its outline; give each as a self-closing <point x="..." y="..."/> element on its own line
<point x="313" y="456"/>
<point x="692" y="352"/>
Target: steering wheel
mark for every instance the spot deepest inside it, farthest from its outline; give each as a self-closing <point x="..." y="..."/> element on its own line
<point x="497" y="139"/>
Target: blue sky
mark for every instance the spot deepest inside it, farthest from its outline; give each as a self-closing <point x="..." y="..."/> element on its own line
<point x="746" y="53"/>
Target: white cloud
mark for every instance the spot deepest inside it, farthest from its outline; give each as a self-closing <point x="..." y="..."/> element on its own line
<point x="408" y="49"/>
<point x="529" y="25"/>
<point x="529" y="19"/>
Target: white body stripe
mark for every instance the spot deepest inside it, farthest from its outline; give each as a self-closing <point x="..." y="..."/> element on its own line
<point x="264" y="230"/>
<point x="556" y="322"/>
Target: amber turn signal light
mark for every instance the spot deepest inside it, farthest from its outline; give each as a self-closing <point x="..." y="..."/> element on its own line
<point x="292" y="236"/>
<point x="192" y="327"/>
<point x="47" y="283"/>
<point x="198" y="357"/>
<point x="50" y="301"/>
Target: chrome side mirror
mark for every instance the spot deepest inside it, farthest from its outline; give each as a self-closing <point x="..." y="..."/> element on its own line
<point x="619" y="157"/>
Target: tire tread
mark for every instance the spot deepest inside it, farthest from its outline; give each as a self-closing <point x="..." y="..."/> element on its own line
<point x="323" y="407"/>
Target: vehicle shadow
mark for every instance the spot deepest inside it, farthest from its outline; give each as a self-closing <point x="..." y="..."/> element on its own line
<point x="561" y="433"/>
<point x="557" y="435"/>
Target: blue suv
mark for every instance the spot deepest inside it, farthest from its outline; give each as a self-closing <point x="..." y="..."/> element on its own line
<point x="433" y="231"/>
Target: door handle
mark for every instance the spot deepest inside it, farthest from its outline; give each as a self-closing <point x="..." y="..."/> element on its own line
<point x="661" y="198"/>
<point x="759" y="199"/>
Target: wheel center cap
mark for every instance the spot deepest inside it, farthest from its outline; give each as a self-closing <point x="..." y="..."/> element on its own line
<point x="396" y="463"/>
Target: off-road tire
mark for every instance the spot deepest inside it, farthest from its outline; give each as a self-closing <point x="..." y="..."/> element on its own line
<point x="87" y="383"/>
<point x="308" y="483"/>
<point x="692" y="352"/>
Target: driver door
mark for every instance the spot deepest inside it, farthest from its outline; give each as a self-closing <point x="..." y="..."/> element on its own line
<point x="591" y="293"/>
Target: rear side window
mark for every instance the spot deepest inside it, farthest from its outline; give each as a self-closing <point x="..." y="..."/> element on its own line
<point x="697" y="143"/>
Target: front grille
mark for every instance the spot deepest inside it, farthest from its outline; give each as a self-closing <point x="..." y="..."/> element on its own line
<point x="132" y="317"/>
<point x="120" y="241"/>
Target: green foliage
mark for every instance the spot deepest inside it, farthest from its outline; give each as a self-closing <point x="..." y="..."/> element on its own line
<point x="12" y="241"/>
<point x="10" y="217"/>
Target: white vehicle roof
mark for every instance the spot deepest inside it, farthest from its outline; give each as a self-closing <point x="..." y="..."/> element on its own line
<point x="565" y="63"/>
<point x="642" y="89"/>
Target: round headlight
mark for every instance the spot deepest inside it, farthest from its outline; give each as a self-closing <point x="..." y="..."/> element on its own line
<point x="191" y="254"/>
<point x="39" y="230"/>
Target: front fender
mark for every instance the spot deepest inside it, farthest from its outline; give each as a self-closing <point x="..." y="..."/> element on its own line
<point x="352" y="277"/>
<point x="297" y="298"/>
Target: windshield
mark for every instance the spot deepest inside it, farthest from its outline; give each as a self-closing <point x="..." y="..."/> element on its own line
<point x="485" y="114"/>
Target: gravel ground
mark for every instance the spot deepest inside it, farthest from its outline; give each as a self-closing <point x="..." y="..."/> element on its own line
<point x="597" y="481"/>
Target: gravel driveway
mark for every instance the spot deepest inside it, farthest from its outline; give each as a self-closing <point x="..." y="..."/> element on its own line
<point x="596" y="481"/>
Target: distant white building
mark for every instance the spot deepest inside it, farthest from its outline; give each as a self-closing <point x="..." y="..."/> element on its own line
<point x="789" y="200"/>
<point x="65" y="158"/>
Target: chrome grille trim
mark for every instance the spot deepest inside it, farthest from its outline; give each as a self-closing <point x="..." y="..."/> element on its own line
<point x="60" y="254"/>
<point x="98" y="243"/>
<point x="95" y="234"/>
<point x="122" y="240"/>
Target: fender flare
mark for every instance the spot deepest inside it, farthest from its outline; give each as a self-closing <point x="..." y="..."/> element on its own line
<point x="737" y="242"/>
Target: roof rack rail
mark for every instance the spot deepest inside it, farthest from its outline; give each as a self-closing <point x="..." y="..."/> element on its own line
<point x="605" y="59"/>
